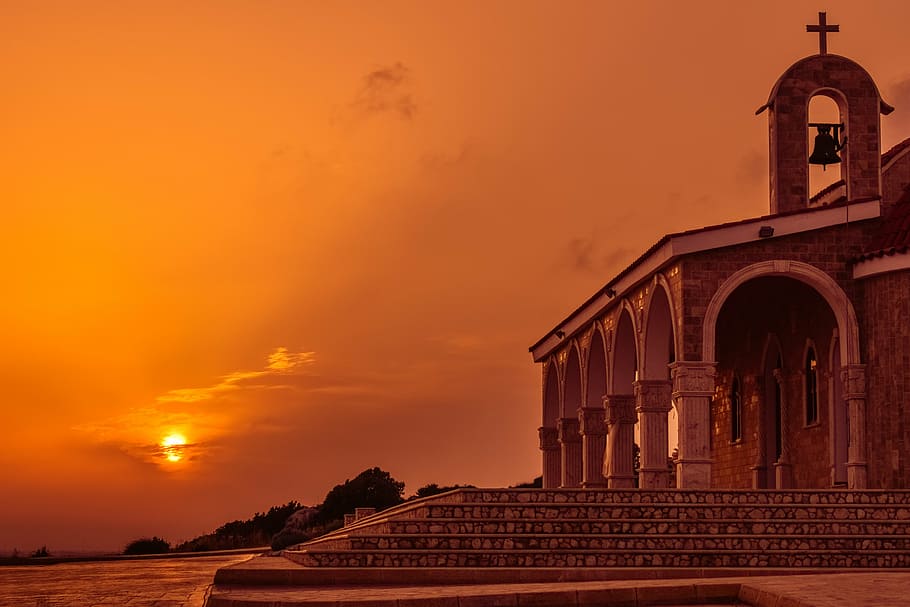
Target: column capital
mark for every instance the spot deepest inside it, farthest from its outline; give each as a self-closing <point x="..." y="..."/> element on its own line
<point x="854" y="381"/>
<point x="549" y="439"/>
<point x="567" y="428"/>
<point x="592" y="421"/>
<point x="652" y="395"/>
<point x="620" y="409"/>
<point x="693" y="378"/>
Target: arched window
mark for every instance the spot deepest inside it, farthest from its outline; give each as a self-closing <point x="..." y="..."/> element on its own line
<point x="811" y="386"/>
<point x="736" y="411"/>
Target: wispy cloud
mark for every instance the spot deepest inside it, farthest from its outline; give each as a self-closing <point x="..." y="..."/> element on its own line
<point x="200" y="414"/>
<point x="386" y="90"/>
<point x="280" y="362"/>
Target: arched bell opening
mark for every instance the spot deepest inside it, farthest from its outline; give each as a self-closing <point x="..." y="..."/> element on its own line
<point x="826" y="137"/>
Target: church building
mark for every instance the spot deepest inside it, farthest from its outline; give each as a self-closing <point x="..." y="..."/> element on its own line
<point x="781" y="342"/>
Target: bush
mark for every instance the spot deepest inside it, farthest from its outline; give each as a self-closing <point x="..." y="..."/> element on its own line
<point x="40" y="553"/>
<point x="145" y="545"/>
<point x="372" y="488"/>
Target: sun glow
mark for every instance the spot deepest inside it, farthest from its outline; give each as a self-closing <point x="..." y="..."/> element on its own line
<point x="172" y="447"/>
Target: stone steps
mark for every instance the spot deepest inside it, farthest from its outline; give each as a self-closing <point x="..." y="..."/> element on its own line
<point x="565" y="529"/>
<point x="599" y="558"/>
<point x="638" y="525"/>
<point x="613" y="543"/>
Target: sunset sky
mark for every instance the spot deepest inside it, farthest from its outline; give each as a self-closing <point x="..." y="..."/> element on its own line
<point x="252" y="248"/>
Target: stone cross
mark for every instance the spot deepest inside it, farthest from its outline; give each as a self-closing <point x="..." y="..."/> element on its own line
<point x="822" y="29"/>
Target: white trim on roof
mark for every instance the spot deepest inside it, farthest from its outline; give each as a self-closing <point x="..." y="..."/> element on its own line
<point x="705" y="240"/>
<point x="882" y="265"/>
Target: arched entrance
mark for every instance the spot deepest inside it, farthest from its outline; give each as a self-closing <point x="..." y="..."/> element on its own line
<point x="801" y="307"/>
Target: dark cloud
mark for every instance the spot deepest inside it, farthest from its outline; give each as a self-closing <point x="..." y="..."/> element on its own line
<point x="386" y="90"/>
<point x="591" y="255"/>
<point x="751" y="169"/>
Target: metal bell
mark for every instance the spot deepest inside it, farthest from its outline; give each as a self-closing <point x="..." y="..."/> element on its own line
<point x="826" y="145"/>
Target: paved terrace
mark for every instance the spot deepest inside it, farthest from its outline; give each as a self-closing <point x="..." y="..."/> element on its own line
<point x="836" y="589"/>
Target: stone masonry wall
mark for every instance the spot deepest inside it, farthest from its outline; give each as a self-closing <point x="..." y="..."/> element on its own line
<point x="885" y="338"/>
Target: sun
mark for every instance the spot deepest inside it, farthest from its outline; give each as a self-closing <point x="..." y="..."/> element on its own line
<point x="172" y="447"/>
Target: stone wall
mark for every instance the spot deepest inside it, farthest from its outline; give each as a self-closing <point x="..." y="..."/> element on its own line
<point x="885" y="338"/>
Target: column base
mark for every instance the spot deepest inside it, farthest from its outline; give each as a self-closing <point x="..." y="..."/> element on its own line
<point x="857" y="476"/>
<point x="593" y="484"/>
<point x="783" y="476"/>
<point x="621" y="482"/>
<point x="658" y="478"/>
<point x="693" y="474"/>
<point x="759" y="477"/>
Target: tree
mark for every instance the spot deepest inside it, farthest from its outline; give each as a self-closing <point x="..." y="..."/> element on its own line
<point x="145" y="545"/>
<point x="435" y="489"/>
<point x="372" y="488"/>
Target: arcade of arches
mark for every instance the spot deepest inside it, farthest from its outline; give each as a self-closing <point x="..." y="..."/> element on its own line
<point x="771" y="352"/>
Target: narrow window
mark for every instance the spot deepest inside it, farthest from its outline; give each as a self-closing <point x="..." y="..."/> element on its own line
<point x="811" y="387"/>
<point x="736" y="411"/>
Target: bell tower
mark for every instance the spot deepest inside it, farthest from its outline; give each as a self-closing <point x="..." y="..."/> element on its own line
<point x="860" y="105"/>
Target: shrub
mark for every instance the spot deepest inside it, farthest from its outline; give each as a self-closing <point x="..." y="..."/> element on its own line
<point x="145" y="545"/>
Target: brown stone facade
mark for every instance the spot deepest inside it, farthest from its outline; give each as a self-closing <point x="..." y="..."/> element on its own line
<point x="885" y="332"/>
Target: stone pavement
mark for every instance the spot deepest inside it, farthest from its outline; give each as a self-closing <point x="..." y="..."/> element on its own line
<point x="172" y="582"/>
<point x="879" y="589"/>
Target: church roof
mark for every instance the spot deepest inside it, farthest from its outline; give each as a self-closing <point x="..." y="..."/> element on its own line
<point x="895" y="152"/>
<point x="894" y="235"/>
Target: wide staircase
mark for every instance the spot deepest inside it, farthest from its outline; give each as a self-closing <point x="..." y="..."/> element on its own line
<point x="607" y="529"/>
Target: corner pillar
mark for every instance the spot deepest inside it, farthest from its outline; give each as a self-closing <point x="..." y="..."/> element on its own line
<point x="552" y="465"/>
<point x="693" y="388"/>
<point x="854" y="382"/>
<point x="592" y="422"/>
<point x="570" y="441"/>
<point x="652" y="401"/>
<point x="621" y="418"/>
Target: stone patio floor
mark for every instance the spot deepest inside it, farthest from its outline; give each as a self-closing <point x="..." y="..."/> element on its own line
<point x="186" y="583"/>
<point x="879" y="589"/>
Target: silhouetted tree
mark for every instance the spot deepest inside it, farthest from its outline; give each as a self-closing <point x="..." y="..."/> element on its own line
<point x="146" y="545"/>
<point x="434" y="489"/>
<point x="40" y="553"/>
<point x="373" y="488"/>
<point x="537" y="483"/>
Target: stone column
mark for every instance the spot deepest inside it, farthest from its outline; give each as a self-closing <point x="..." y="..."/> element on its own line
<point x="760" y="469"/>
<point x="783" y="469"/>
<point x="652" y="401"/>
<point x="693" y="388"/>
<point x="621" y="418"/>
<point x="854" y="382"/>
<point x="570" y="440"/>
<point x="593" y="445"/>
<point x="552" y="465"/>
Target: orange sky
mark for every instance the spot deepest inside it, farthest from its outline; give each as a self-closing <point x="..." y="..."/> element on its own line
<point x="318" y="237"/>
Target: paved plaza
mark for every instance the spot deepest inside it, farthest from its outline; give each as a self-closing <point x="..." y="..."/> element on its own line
<point x="176" y="582"/>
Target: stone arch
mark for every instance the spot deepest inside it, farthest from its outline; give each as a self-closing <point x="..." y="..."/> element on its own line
<point x="571" y="396"/>
<point x="625" y="352"/>
<point x="827" y="288"/>
<point x="551" y="404"/>
<point x="660" y="337"/>
<point x="596" y="384"/>
<point x="837" y="411"/>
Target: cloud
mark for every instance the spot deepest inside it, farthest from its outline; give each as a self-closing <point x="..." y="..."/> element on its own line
<point x="591" y="255"/>
<point x="751" y="169"/>
<point x="204" y="414"/>
<point x="385" y="90"/>
<point x="280" y="362"/>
